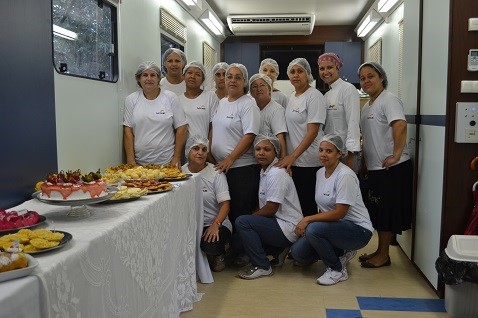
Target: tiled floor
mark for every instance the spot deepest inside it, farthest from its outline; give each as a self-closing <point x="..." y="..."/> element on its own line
<point x="396" y="291"/>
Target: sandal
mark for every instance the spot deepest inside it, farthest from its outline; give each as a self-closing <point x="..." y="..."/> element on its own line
<point x="367" y="264"/>
<point x="364" y="257"/>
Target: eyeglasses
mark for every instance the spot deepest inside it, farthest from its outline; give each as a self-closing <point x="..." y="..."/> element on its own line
<point x="236" y="78"/>
<point x="256" y="87"/>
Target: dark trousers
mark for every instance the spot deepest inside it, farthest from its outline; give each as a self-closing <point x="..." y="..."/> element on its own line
<point x="304" y="181"/>
<point x="217" y="247"/>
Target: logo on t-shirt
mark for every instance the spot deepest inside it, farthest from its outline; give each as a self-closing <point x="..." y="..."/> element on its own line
<point x="370" y="116"/>
<point x="204" y="189"/>
<point x="262" y="192"/>
<point x="331" y="107"/>
<point x="231" y="116"/>
<point x="161" y="112"/>
<point x="201" y="107"/>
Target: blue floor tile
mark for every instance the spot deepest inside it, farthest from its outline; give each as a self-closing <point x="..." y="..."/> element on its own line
<point x="401" y="304"/>
<point x="343" y="313"/>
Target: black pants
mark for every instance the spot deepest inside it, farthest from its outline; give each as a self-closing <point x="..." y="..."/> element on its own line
<point x="218" y="247"/>
<point x="304" y="181"/>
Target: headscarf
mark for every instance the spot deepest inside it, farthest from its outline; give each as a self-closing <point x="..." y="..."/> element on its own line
<point x="168" y="52"/>
<point x="198" y="65"/>
<point x="266" y="79"/>
<point x="331" y="57"/>
<point x="377" y="68"/>
<point x="146" y="66"/>
<point x="304" y="64"/>
<point x="336" y="141"/>
<point x="244" y="74"/>
<point x="195" y="140"/>
<point x="271" y="137"/>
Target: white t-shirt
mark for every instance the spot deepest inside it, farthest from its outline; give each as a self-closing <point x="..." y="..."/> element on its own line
<point x="305" y="109"/>
<point x="376" y="129"/>
<point x="199" y="112"/>
<point x="273" y="119"/>
<point x="214" y="191"/>
<point x="277" y="186"/>
<point x="280" y="98"/>
<point x="342" y="187"/>
<point x="153" y="123"/>
<point x="178" y="89"/>
<point x="343" y="113"/>
<point x="230" y="123"/>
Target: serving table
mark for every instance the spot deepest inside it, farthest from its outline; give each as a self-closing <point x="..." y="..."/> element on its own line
<point x="131" y="259"/>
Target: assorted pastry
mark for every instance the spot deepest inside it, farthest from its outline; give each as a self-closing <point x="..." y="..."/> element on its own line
<point x="15" y="220"/>
<point x="31" y="240"/>
<point x="12" y="259"/>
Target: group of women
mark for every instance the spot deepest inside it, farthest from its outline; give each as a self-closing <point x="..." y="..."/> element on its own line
<point x="278" y="171"/>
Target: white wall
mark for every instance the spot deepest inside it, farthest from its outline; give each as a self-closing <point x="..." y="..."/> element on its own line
<point x="89" y="113"/>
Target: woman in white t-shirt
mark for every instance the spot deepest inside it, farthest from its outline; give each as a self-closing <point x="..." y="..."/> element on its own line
<point x="270" y="229"/>
<point x="173" y="62"/>
<point x="219" y="74"/>
<point x="154" y="125"/>
<point x="199" y="105"/>
<point x="270" y="68"/>
<point x="217" y="228"/>
<point x="342" y="225"/>
<point x="305" y="116"/>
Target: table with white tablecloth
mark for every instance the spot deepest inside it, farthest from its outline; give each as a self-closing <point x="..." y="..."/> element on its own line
<point x="131" y="259"/>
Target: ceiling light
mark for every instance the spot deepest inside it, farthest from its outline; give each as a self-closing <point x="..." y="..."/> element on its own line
<point x="368" y="23"/>
<point x="64" y="33"/>
<point x="190" y="3"/>
<point x="212" y="22"/>
<point x="386" y="5"/>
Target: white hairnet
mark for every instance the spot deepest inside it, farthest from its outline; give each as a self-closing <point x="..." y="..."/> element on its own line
<point x="198" y="65"/>
<point x="243" y="71"/>
<point x="336" y="141"/>
<point x="304" y="64"/>
<point x="219" y="66"/>
<point x="147" y="65"/>
<point x="270" y="62"/>
<point x="195" y="140"/>
<point x="264" y="77"/>
<point x="379" y="70"/>
<point x="168" y="52"/>
<point x="272" y="138"/>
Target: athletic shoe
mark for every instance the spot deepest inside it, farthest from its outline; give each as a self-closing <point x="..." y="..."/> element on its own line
<point x="241" y="260"/>
<point x="347" y="257"/>
<point x="279" y="259"/>
<point x="331" y="277"/>
<point x="253" y="272"/>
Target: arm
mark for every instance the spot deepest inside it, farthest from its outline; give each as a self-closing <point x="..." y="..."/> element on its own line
<point x="399" y="133"/>
<point x="211" y="234"/>
<point x="210" y="158"/>
<point x="283" y="146"/>
<point x="128" y="142"/>
<point x="180" y="142"/>
<point x="242" y="146"/>
<point x="288" y="160"/>
<point x="329" y="216"/>
<point x="269" y="209"/>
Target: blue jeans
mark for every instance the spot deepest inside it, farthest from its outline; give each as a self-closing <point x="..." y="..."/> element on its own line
<point x="259" y="236"/>
<point x="328" y="240"/>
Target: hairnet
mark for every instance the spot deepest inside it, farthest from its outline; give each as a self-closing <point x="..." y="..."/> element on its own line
<point x="195" y="140"/>
<point x="219" y="66"/>
<point x="198" y="65"/>
<point x="243" y="71"/>
<point x="266" y="79"/>
<point x="304" y="64"/>
<point x="271" y="137"/>
<point x="336" y="141"/>
<point x="168" y="52"/>
<point x="331" y="57"/>
<point x="270" y="62"/>
<point x="147" y="65"/>
<point x="377" y="68"/>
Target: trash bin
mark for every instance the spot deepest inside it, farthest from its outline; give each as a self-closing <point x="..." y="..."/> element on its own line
<point x="458" y="268"/>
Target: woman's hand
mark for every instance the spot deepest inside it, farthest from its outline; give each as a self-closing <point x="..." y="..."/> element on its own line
<point x="390" y="161"/>
<point x="212" y="233"/>
<point x="300" y="227"/>
<point x="176" y="162"/>
<point x="286" y="163"/>
<point x="224" y="165"/>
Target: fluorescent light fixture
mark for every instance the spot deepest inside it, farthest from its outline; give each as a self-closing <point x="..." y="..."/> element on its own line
<point x="368" y="23"/>
<point x="212" y="22"/>
<point x="386" y="5"/>
<point x="190" y="3"/>
<point x="64" y="33"/>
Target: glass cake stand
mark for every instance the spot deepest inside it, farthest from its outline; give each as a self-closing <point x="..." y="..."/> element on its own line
<point x="78" y="208"/>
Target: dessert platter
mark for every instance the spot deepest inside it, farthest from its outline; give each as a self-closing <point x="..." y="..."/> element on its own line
<point x="126" y="194"/>
<point x="181" y="177"/>
<point x="35" y="241"/>
<point x="152" y="186"/>
<point x="12" y="221"/>
<point x="15" y="264"/>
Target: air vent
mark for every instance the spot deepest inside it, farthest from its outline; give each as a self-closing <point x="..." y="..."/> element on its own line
<point x="282" y="24"/>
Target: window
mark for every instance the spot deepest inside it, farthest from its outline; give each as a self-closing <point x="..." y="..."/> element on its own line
<point x="84" y="39"/>
<point x="375" y="52"/>
<point x="209" y="60"/>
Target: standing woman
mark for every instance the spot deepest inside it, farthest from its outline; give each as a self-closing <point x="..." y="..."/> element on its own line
<point x="173" y="62"/>
<point x="154" y="125"/>
<point x="272" y="114"/>
<point x="219" y="73"/>
<point x="199" y="105"/>
<point x="343" y="107"/>
<point x="390" y="175"/>
<point x="305" y="115"/>
<point x="270" y="68"/>
<point x="234" y="127"/>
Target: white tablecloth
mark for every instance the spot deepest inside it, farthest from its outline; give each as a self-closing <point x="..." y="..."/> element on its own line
<point x="132" y="259"/>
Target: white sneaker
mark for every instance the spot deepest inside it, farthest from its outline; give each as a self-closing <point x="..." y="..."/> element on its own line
<point x="347" y="257"/>
<point x="252" y="272"/>
<point x="331" y="277"/>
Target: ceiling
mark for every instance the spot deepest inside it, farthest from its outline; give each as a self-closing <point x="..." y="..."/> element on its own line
<point x="327" y="12"/>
